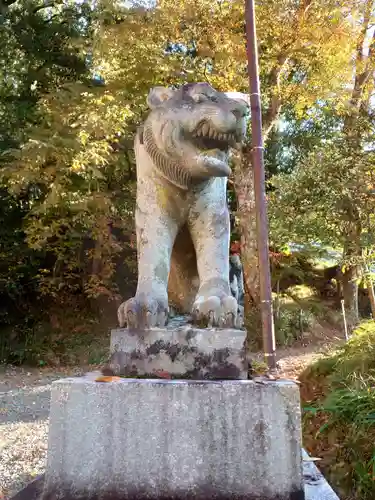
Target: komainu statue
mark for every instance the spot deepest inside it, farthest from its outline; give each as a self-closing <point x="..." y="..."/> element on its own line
<point x="182" y="219"/>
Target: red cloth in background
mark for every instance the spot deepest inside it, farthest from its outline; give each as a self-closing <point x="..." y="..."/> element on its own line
<point x="235" y="248"/>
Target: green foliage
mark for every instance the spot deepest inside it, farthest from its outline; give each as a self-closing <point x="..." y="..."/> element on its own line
<point x="291" y="323"/>
<point x="357" y="356"/>
<point x="69" y="337"/>
<point x="328" y="197"/>
<point x="320" y="198"/>
<point x="41" y="48"/>
<point x="343" y="415"/>
<point x="294" y="137"/>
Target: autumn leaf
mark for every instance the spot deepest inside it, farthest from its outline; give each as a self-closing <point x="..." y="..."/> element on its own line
<point x="163" y="374"/>
<point x="107" y="379"/>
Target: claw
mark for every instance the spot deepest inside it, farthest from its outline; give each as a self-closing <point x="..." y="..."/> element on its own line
<point x="211" y="319"/>
<point x="121" y="315"/>
<point x="162" y="319"/>
<point x="216" y="311"/>
<point x="131" y="318"/>
<point x="149" y="319"/>
<point x="230" y="320"/>
<point x="143" y="312"/>
<point x="222" y="322"/>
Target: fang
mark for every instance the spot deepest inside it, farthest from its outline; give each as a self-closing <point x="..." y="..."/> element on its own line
<point x="205" y="130"/>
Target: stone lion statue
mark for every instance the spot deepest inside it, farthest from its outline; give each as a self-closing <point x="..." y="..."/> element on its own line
<point x="182" y="218"/>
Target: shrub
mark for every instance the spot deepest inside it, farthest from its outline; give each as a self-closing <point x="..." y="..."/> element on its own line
<point x="290" y="324"/>
<point x="339" y="421"/>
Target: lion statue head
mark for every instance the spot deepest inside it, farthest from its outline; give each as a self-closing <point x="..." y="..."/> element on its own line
<point x="189" y="132"/>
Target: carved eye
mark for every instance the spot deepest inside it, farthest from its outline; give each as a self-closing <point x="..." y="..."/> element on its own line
<point x="200" y="97"/>
<point x="204" y="97"/>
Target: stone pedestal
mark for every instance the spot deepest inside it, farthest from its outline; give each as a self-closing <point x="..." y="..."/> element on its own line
<point x="179" y="352"/>
<point x="168" y="439"/>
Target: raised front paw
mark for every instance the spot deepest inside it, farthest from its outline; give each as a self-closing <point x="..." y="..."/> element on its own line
<point x="215" y="311"/>
<point x="143" y="311"/>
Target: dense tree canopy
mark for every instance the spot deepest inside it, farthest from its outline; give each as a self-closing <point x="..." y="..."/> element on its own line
<point x="75" y="76"/>
<point x="329" y="196"/>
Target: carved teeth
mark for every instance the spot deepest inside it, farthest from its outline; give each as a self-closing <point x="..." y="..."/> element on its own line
<point x="205" y="129"/>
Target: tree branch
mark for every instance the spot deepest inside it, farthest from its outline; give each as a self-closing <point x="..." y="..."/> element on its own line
<point x="273" y="111"/>
<point x="52" y="3"/>
<point x="362" y="77"/>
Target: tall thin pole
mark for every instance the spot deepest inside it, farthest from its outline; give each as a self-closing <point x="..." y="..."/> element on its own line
<point x="268" y="329"/>
<point x="344" y="319"/>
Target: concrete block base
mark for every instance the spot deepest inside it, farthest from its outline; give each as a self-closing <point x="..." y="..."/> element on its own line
<point x="182" y="352"/>
<point x="174" y="439"/>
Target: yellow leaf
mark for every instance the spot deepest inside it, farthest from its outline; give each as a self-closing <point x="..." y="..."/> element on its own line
<point x="107" y="379"/>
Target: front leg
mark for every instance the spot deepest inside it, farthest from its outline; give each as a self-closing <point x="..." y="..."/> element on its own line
<point x="156" y="232"/>
<point x="210" y="230"/>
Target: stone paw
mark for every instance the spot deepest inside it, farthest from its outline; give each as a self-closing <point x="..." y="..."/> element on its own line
<point x="214" y="311"/>
<point x="143" y="312"/>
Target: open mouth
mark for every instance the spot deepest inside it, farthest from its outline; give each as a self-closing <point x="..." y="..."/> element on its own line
<point x="206" y="138"/>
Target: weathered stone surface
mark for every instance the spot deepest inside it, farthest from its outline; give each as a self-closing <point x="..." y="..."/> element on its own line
<point x="316" y="487"/>
<point x="159" y="439"/>
<point x="179" y="352"/>
<point x="182" y="153"/>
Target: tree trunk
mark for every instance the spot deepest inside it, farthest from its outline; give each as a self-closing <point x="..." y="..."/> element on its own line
<point x="350" y="295"/>
<point x="246" y="209"/>
<point x="352" y="272"/>
<point x="244" y="187"/>
<point x="352" y="250"/>
<point x="246" y="213"/>
<point x="371" y="295"/>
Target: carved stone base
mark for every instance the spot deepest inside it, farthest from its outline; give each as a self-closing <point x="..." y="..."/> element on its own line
<point x="179" y="352"/>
